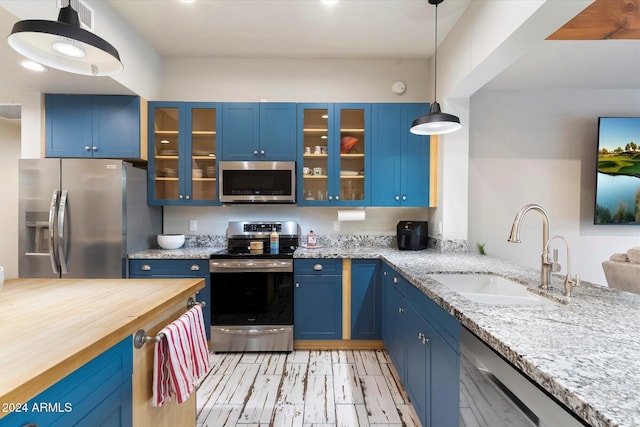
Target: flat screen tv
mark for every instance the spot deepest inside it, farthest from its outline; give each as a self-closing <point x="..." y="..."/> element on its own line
<point x="618" y="179"/>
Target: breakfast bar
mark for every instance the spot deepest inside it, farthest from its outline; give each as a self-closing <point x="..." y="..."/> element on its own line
<point x="51" y="329"/>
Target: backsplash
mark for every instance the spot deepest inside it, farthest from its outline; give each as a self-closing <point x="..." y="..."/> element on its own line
<point x="337" y="241"/>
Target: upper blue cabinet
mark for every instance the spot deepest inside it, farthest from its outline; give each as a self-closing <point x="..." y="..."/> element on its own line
<point x="259" y="131"/>
<point x="399" y="158"/>
<point x="334" y="154"/>
<point x="99" y="126"/>
<point x="183" y="148"/>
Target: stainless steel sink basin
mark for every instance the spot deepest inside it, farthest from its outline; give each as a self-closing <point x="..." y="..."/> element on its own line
<point x="490" y="289"/>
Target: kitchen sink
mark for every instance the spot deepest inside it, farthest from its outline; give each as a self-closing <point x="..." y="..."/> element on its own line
<point x="490" y="289"/>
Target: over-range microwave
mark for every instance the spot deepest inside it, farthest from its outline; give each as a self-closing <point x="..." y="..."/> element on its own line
<point x="257" y="182"/>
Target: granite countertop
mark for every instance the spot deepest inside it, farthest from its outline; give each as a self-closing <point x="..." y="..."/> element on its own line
<point x="585" y="350"/>
<point x="182" y="253"/>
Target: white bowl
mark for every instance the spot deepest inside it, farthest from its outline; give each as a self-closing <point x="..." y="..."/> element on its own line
<point x="170" y="241"/>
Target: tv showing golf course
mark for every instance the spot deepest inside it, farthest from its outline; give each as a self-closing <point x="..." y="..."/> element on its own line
<point x="618" y="179"/>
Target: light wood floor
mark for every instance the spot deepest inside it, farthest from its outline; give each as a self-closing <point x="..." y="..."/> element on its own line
<point x="303" y="389"/>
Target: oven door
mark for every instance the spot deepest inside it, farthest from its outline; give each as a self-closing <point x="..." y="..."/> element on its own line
<point x="252" y="305"/>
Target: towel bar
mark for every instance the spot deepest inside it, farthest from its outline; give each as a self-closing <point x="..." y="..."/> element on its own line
<point x="141" y="337"/>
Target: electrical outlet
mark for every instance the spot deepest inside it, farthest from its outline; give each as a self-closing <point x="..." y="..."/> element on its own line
<point x="193" y="225"/>
<point x="336" y="225"/>
<point x="439" y="228"/>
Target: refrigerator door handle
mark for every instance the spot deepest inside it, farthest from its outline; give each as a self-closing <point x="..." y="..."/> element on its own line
<point x="62" y="209"/>
<point x="53" y="249"/>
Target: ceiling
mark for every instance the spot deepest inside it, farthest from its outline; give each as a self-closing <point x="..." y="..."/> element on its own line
<point x="310" y="29"/>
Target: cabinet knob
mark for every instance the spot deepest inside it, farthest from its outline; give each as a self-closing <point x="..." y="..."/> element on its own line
<point x="146" y="267"/>
<point x="397" y="197"/>
<point x="404" y="197"/>
<point x="317" y="267"/>
<point x="87" y="148"/>
<point x="297" y="285"/>
<point x="255" y="152"/>
<point x="337" y="197"/>
<point x="330" y="197"/>
<point x="385" y="273"/>
<point x="195" y="267"/>
<point x="187" y="197"/>
<point x="94" y="148"/>
<point x="262" y="152"/>
<point x="400" y="310"/>
<point x="395" y="280"/>
<point x="180" y="196"/>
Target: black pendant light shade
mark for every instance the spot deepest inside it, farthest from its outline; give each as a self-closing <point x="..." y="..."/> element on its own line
<point x="63" y="45"/>
<point x="435" y="122"/>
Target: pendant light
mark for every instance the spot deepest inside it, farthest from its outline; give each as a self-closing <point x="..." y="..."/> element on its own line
<point x="435" y="122"/>
<point x="63" y="45"/>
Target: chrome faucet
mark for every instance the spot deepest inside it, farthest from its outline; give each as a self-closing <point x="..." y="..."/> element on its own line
<point x="514" y="237"/>
<point x="569" y="282"/>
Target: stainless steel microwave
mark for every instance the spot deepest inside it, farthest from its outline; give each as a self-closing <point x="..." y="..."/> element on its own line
<point x="257" y="182"/>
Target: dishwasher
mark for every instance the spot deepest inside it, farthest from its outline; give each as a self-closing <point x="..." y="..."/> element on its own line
<point x="494" y="393"/>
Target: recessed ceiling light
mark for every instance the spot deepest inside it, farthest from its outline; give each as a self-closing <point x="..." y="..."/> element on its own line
<point x="329" y="2"/>
<point x="33" y="66"/>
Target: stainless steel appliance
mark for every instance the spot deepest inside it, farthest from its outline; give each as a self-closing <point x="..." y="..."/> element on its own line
<point x="252" y="290"/>
<point x="257" y="182"/>
<point x="412" y="235"/>
<point x="80" y="217"/>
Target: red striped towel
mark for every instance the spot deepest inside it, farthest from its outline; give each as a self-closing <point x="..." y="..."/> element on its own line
<point x="181" y="358"/>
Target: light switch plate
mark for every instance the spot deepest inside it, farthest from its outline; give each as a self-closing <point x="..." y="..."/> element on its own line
<point x="193" y="225"/>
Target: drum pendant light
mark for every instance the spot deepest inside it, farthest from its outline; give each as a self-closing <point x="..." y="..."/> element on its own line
<point x="435" y="122"/>
<point x="63" y="45"/>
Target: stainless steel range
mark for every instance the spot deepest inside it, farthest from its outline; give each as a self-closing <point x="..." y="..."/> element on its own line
<point x="252" y="288"/>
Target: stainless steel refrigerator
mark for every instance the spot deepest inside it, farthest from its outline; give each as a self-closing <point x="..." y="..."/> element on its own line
<point x="79" y="218"/>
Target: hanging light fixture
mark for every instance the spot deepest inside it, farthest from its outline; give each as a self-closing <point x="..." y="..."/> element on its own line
<point x="435" y="122"/>
<point x="63" y="45"/>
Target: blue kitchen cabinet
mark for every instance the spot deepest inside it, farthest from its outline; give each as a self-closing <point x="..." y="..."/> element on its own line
<point x="366" y="299"/>
<point x="423" y="342"/>
<point x="177" y="268"/>
<point x="98" y="393"/>
<point x="317" y="304"/>
<point x="183" y="147"/>
<point x="92" y="126"/>
<point x="400" y="158"/>
<point x="259" y="131"/>
<point x="334" y="154"/>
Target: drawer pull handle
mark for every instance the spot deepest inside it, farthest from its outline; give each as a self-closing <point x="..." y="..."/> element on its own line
<point x="395" y="280"/>
<point x="195" y="267"/>
<point x="146" y="267"/>
<point x="317" y="267"/>
<point x="297" y="285"/>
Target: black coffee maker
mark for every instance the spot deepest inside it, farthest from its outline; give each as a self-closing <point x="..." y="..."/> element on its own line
<point x="412" y="235"/>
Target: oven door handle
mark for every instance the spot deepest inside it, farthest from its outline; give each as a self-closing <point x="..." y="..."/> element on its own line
<point x="249" y="331"/>
<point x="246" y="266"/>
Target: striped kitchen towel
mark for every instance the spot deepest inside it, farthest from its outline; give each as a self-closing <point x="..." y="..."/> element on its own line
<point x="181" y="358"/>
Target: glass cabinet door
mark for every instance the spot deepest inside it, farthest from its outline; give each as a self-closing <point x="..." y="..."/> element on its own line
<point x="315" y="154"/>
<point x="166" y="149"/>
<point x="351" y="162"/>
<point x="203" y="154"/>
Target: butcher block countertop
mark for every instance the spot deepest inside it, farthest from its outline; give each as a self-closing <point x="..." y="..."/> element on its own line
<point x="51" y="327"/>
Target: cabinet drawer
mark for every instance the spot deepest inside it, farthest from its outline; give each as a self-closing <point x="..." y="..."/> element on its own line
<point x="318" y="267"/>
<point x="168" y="267"/>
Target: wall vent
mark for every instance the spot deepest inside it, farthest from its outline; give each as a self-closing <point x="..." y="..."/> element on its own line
<point x="10" y="111"/>
<point x="85" y="12"/>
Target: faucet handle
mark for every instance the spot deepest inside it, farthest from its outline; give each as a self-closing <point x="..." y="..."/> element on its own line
<point x="569" y="284"/>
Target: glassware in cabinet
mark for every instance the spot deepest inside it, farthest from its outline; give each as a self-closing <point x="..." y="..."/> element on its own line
<point x="203" y="153"/>
<point x="352" y="156"/>
<point x="315" y="165"/>
<point x="166" y="148"/>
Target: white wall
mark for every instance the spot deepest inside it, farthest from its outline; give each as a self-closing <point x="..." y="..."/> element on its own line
<point x="291" y="80"/>
<point x="9" y="155"/>
<point x="540" y="147"/>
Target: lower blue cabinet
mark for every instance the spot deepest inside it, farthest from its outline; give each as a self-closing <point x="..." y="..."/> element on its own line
<point x="423" y="343"/>
<point x="96" y="394"/>
<point x="366" y="299"/>
<point x="177" y="268"/>
<point x="317" y="306"/>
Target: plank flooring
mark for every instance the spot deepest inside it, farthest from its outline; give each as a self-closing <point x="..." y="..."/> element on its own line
<point x="303" y="389"/>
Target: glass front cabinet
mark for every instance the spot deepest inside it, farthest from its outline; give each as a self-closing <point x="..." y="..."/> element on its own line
<point x="333" y="156"/>
<point x="182" y="153"/>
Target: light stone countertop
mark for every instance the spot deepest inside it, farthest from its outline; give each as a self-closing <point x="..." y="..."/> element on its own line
<point x="584" y="351"/>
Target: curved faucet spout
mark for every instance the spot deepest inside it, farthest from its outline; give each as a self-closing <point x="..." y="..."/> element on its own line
<point x="514" y="237"/>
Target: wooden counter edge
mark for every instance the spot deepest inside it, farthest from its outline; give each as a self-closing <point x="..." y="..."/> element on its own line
<point x="32" y="387"/>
